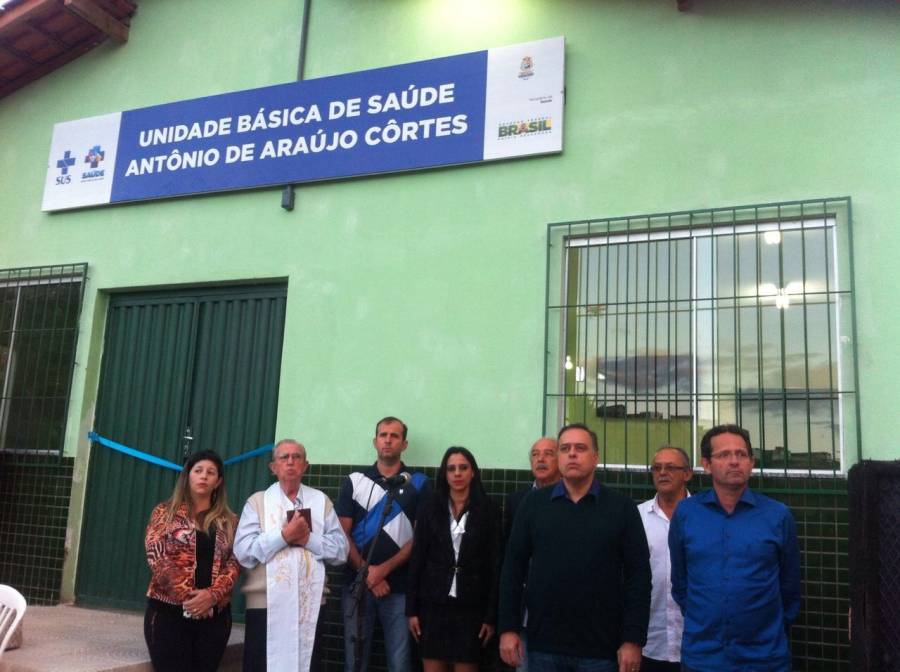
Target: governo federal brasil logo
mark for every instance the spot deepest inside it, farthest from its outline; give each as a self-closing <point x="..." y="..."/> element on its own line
<point x="517" y="129"/>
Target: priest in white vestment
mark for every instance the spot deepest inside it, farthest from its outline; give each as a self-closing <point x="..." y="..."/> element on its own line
<point x="285" y="536"/>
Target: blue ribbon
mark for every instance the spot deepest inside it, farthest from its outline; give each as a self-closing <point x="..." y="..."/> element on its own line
<point x="152" y="459"/>
<point x="253" y="453"/>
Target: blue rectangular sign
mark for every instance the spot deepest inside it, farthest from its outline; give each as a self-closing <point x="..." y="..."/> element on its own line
<point x="461" y="109"/>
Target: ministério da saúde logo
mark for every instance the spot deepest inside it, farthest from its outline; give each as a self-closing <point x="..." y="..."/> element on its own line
<point x="94" y="157"/>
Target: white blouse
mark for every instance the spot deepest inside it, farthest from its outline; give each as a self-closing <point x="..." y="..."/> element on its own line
<point x="457" y="530"/>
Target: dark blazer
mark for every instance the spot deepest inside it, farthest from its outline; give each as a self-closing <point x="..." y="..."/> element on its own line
<point x="431" y="564"/>
<point x="513" y="500"/>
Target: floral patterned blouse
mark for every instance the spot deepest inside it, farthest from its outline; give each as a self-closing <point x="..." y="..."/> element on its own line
<point x="172" y="556"/>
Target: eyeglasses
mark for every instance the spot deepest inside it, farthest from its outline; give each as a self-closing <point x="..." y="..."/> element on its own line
<point x="660" y="468"/>
<point x="290" y="456"/>
<point x="739" y="455"/>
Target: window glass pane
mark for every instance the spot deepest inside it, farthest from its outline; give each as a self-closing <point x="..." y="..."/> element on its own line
<point x="770" y="348"/>
<point x="726" y="362"/>
<point x="632" y="347"/>
<point x="749" y="360"/>
<point x="725" y="266"/>
<point x="680" y="260"/>
<point x="769" y="262"/>
<point x="747" y="265"/>
<point x="795" y="338"/>
<point x="705" y="365"/>
<point x="821" y="344"/>
<point x="705" y="268"/>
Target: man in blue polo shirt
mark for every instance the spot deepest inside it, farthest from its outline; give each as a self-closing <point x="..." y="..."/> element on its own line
<point x="360" y="504"/>
<point x="735" y="566"/>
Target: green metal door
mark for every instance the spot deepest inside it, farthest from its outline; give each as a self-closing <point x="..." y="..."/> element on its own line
<point x="182" y="371"/>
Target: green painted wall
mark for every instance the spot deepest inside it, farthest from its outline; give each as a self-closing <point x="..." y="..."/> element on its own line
<point x="422" y="294"/>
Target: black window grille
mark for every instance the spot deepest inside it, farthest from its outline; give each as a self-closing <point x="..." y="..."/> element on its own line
<point x="661" y="326"/>
<point x="39" y="310"/>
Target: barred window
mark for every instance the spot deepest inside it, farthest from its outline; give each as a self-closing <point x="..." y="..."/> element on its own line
<point x="661" y="326"/>
<point x="39" y="309"/>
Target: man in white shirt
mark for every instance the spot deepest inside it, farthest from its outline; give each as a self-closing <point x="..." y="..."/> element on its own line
<point x="671" y="470"/>
<point x="285" y="537"/>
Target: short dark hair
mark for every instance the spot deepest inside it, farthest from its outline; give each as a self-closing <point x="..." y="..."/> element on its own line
<point x="391" y="418"/>
<point x="684" y="455"/>
<point x="706" y="441"/>
<point x="582" y="426"/>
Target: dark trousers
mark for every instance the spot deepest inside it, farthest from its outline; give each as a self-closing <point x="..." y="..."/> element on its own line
<point x="557" y="662"/>
<point x="652" y="665"/>
<point x="255" y="641"/>
<point x="179" y="644"/>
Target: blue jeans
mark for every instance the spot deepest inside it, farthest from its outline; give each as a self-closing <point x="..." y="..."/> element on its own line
<point x="555" y="662"/>
<point x="392" y="614"/>
<point x="524" y="666"/>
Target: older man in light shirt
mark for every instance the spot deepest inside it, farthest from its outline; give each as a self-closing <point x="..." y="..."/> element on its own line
<point x="671" y="470"/>
<point x="285" y="537"/>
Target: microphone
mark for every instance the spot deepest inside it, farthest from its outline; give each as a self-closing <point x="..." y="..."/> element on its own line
<point x="396" y="481"/>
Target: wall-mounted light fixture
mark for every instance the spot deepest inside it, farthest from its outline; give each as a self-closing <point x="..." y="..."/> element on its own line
<point x="782" y="294"/>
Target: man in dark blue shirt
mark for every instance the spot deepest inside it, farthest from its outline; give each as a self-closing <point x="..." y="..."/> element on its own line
<point x="583" y="550"/>
<point x="735" y="566"/>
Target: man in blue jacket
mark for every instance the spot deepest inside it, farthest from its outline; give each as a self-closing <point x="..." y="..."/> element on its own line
<point x="735" y="566"/>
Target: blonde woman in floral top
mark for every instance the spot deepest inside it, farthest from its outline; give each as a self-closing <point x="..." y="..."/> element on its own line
<point x="193" y="570"/>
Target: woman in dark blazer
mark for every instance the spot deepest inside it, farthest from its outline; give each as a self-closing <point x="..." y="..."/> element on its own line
<point x="454" y="569"/>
